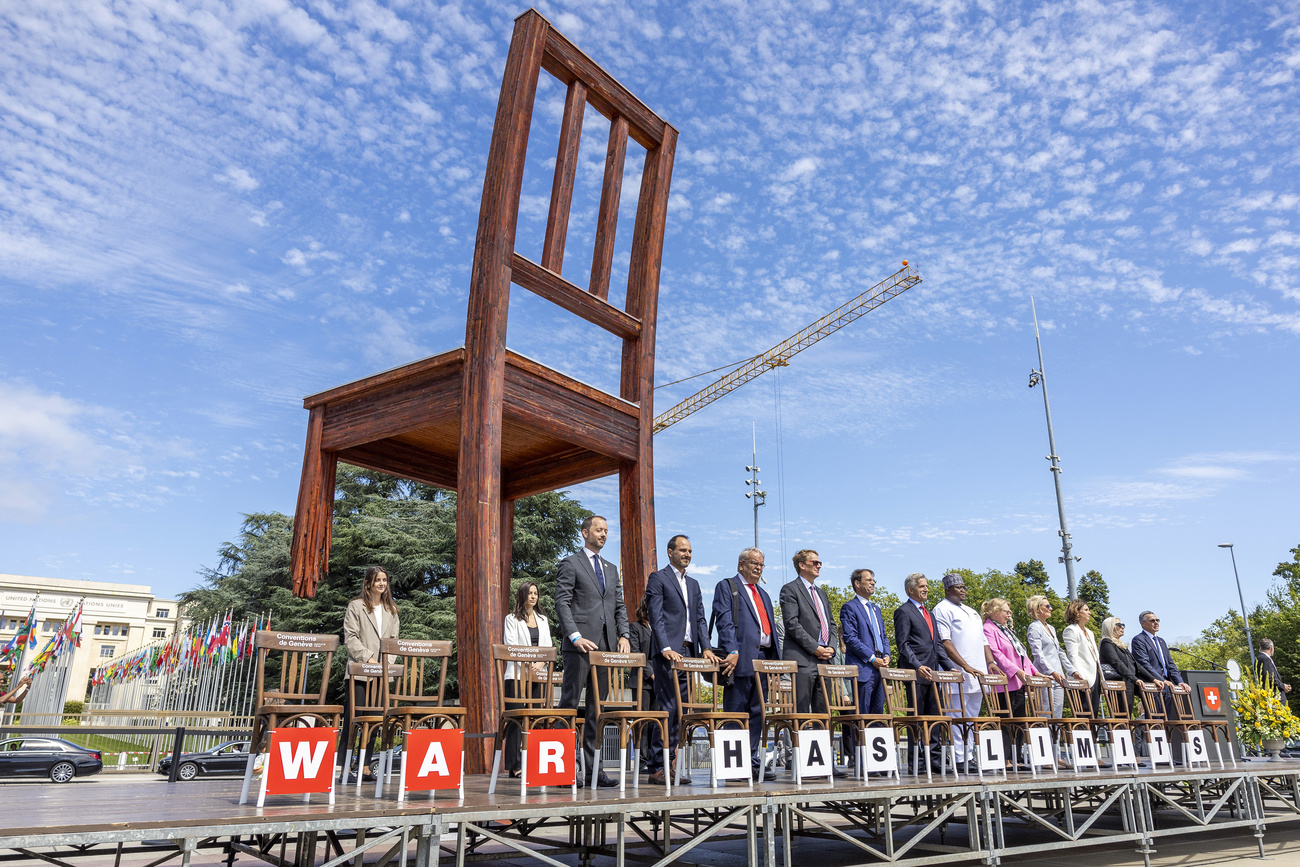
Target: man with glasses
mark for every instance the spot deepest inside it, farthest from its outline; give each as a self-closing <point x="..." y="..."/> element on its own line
<point x="1151" y="650"/>
<point x="746" y="631"/>
<point x="811" y="636"/>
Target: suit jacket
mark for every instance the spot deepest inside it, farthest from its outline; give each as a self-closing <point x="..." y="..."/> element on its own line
<point x="516" y="632"/>
<point x="1121" y="659"/>
<point x="669" y="612"/>
<point x="360" y="634"/>
<point x="803" y="627"/>
<point x="860" y="645"/>
<point x="1158" y="661"/>
<point x="915" y="646"/>
<point x="1269" y="674"/>
<point x="742" y="636"/>
<point x="1046" y="650"/>
<point x="1081" y="648"/>
<point x="580" y="607"/>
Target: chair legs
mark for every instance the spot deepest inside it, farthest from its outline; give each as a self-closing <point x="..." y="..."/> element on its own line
<point x="248" y="776"/>
<point x="496" y="768"/>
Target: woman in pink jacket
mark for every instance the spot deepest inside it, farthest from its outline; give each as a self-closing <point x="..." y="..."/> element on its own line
<point x="1011" y="657"/>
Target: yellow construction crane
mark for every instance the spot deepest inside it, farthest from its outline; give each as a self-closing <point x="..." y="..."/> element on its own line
<point x="779" y="356"/>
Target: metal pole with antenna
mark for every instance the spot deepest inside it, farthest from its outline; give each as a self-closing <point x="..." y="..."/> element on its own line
<point x="1250" y="642"/>
<point x="1037" y="377"/>
<point x="758" y="496"/>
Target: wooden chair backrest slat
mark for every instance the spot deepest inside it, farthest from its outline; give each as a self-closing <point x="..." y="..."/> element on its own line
<point x="1078" y="697"/>
<point x="1038" y="696"/>
<point x="1153" y="701"/>
<point x="1182" y="693"/>
<point x="899" y="699"/>
<point x="948" y="687"/>
<point x="419" y="659"/>
<point x="839" y="687"/>
<point x="524" y="657"/>
<point x="622" y="690"/>
<point x="701" y="675"/>
<point x="997" y="701"/>
<point x="1114" y="694"/>
<point x="370" y="677"/>
<point x="295" y="651"/>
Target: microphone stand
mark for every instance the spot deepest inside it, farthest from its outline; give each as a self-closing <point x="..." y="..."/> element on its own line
<point x="1212" y="666"/>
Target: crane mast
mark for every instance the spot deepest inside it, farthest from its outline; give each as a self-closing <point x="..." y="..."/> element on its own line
<point x="779" y="356"/>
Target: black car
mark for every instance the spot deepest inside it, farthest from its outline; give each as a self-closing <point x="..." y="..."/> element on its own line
<point x="228" y="758"/>
<point x="55" y="758"/>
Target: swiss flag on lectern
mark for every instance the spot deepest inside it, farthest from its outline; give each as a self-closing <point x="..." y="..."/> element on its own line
<point x="433" y="759"/>
<point x="1212" y="699"/>
<point x="550" y="757"/>
<point x="301" y="760"/>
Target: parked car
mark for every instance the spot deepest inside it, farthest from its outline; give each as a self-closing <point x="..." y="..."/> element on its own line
<point x="55" y="758"/>
<point x="228" y="758"/>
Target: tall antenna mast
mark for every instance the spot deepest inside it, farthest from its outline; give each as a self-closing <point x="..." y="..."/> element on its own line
<point x="1037" y="377"/>
<point x="758" y="496"/>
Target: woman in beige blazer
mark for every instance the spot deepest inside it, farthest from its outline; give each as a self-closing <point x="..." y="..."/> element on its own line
<point x="370" y="617"/>
<point x="1081" y="648"/>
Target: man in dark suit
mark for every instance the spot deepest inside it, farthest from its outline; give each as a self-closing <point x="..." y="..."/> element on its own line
<point x="918" y="647"/>
<point x="1268" y="669"/>
<point x="678" y="629"/>
<point x="592" y="616"/>
<point x="866" y="645"/>
<point x="810" y="633"/>
<point x="1150" y="650"/>
<point x="746" y="631"/>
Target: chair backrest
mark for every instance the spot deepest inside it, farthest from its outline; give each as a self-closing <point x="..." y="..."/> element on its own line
<point x="1114" y="694"/>
<point x="899" y="700"/>
<point x="294" y="652"/>
<point x="618" y="673"/>
<point x="370" y="678"/>
<point x="1038" y="697"/>
<point x="1182" y="693"/>
<point x="523" y="657"/>
<point x="948" y="689"/>
<point x="1078" y="697"/>
<point x="422" y="664"/>
<point x="776" y="679"/>
<point x="703" y="695"/>
<point x="998" y="702"/>
<point x="1153" y="701"/>
<point x="839" y="687"/>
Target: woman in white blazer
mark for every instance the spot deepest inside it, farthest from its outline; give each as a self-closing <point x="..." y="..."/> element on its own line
<point x="1081" y="648"/>
<point x="525" y="626"/>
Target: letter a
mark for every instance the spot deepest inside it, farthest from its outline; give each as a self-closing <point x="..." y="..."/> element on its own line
<point x="435" y="762"/>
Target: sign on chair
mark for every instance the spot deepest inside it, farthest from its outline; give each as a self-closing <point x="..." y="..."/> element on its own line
<point x="990" y="753"/>
<point x="434" y="759"/>
<point x="731" y="758"/>
<point x="1121" y="748"/>
<point x="1197" y="754"/>
<point x="300" y="761"/>
<point x="882" y="751"/>
<point x="1158" y="742"/>
<point x="549" y="759"/>
<point x="814" y="755"/>
<point x="1042" y="754"/>
<point x="1085" y="750"/>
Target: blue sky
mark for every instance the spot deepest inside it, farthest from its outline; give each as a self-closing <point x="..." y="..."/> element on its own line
<point x="211" y="209"/>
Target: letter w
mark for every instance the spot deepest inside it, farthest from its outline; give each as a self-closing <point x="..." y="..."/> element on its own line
<point x="302" y="759"/>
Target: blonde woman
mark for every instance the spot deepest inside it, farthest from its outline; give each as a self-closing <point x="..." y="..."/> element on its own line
<point x="1045" y="647"/>
<point x="1081" y="648"/>
<point x="1115" y="653"/>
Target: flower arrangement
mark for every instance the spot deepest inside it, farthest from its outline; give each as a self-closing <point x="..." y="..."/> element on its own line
<point x="1262" y="715"/>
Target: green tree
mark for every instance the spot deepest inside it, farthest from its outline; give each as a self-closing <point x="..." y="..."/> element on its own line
<point x="408" y="529"/>
<point x="1034" y="576"/>
<point x="1093" y="590"/>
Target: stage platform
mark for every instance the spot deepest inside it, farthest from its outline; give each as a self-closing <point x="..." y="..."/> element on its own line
<point x="915" y="820"/>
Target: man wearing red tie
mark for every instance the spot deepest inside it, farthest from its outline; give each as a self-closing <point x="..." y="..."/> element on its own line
<point x="743" y="613"/>
<point x="811" y="636"/>
<point x="918" y="646"/>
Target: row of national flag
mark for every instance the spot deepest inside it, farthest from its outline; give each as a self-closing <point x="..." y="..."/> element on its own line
<point x="13" y="649"/>
<point x="213" y="642"/>
<point x="67" y="638"/>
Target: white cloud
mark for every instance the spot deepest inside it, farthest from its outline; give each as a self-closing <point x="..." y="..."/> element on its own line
<point x="238" y="178"/>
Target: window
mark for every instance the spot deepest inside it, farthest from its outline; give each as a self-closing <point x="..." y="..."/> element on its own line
<point x="107" y="650"/>
<point x="98" y="629"/>
<point x="9" y="623"/>
<point x="159" y="632"/>
<point x="52" y="625"/>
<point x="162" y="612"/>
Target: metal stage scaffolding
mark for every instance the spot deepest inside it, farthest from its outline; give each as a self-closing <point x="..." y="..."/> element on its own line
<point x="945" y="820"/>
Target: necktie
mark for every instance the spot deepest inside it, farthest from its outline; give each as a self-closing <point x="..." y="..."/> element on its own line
<point x="821" y="616"/>
<point x="686" y="597"/>
<point x="1160" y="652"/>
<point x="875" y="632"/>
<point x="928" y="622"/>
<point x="600" y="573"/>
<point x="762" y="612"/>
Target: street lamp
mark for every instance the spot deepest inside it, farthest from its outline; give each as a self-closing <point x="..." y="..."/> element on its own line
<point x="1250" y="642"/>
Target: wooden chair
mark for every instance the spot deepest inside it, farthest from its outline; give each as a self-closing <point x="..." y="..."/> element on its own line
<point x="840" y="691"/>
<point x="776" y="683"/>
<point x="621" y="707"/>
<point x="1040" y="710"/>
<point x="998" y="702"/>
<point x="1154" y="715"/>
<point x="1186" y="722"/>
<point x="293" y="701"/>
<point x="1114" y="700"/>
<point x="410" y="702"/>
<point x="1083" y="717"/>
<point x="901" y="698"/>
<point x="526" y="710"/>
<point x="365" y="696"/>
<point x="699" y="708"/>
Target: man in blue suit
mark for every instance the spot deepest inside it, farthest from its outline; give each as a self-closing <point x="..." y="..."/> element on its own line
<point x="865" y="641"/>
<point x="678" y="629"/>
<point x="1151" y="650"/>
<point x="746" y="631"/>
